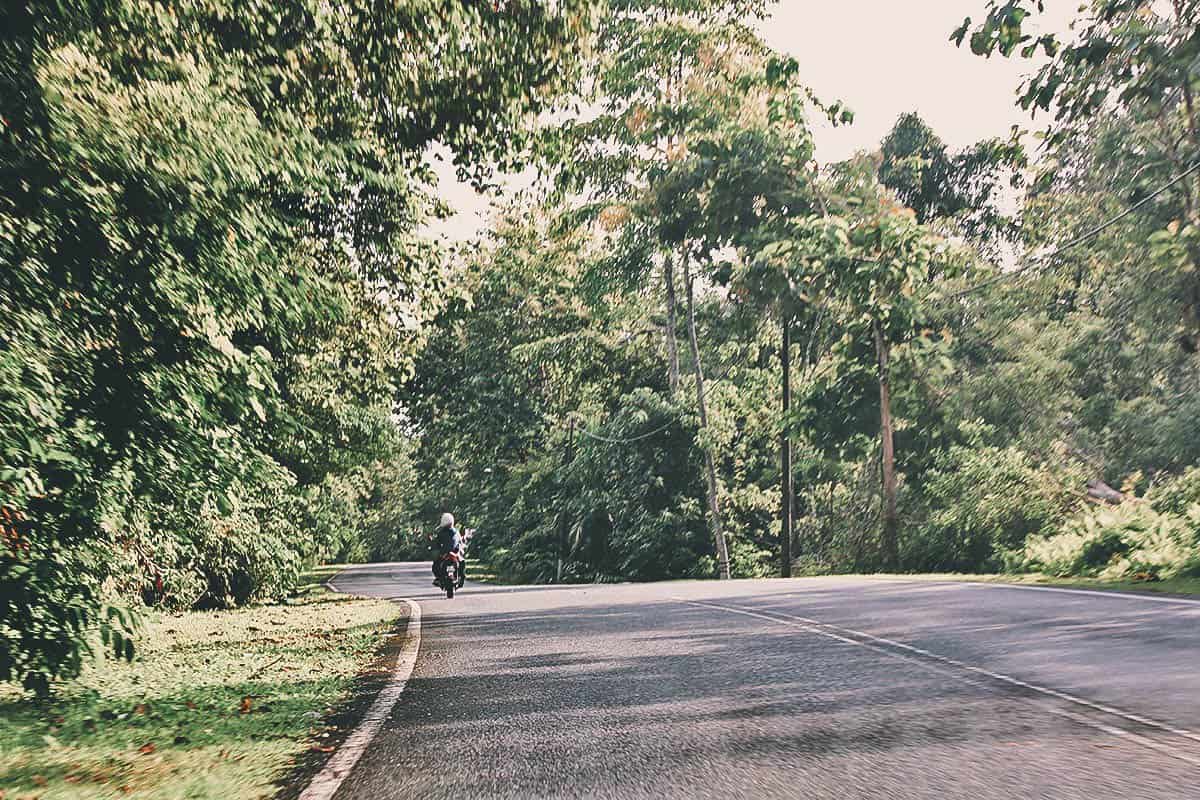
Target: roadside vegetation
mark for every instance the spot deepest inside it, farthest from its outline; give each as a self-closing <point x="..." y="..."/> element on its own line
<point x="979" y="385"/>
<point x="215" y="704"/>
<point x="231" y="349"/>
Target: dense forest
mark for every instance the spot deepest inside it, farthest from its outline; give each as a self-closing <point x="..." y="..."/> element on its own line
<point x="231" y="349"/>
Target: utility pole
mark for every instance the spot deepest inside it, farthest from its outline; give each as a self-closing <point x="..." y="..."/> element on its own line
<point x="563" y="522"/>
<point x="785" y="452"/>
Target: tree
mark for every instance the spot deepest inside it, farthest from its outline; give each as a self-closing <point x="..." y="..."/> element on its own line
<point x="873" y="265"/>
<point x="962" y="189"/>
<point x="213" y="275"/>
<point x="1135" y="58"/>
<point x="656" y="61"/>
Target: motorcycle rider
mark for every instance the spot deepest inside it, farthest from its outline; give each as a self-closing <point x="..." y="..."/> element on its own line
<point x="447" y="540"/>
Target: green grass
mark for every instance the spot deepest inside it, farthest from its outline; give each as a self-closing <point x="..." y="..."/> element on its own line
<point x="313" y="581"/>
<point x="216" y="704"/>
<point x="481" y="572"/>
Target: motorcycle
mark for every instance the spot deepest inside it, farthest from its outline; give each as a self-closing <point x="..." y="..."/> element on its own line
<point x="451" y="576"/>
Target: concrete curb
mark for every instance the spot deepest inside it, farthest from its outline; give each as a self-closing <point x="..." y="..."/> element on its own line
<point x="329" y="779"/>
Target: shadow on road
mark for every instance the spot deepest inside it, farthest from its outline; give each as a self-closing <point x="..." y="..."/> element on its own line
<point x="593" y="691"/>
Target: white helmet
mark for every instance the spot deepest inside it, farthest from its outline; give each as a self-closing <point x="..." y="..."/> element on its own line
<point x="447" y="520"/>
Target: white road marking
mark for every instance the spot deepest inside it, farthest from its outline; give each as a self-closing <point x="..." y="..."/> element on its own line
<point x="1090" y="592"/>
<point x="889" y="647"/>
<point x="1110" y="730"/>
<point x="327" y="781"/>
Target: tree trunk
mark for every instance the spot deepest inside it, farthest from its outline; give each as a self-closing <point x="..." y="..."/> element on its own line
<point x="714" y="507"/>
<point x="785" y="453"/>
<point x="564" y="520"/>
<point x="1099" y="490"/>
<point x="891" y="555"/>
<point x="672" y="321"/>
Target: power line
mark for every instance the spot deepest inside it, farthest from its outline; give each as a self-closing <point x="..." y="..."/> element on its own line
<point x="1078" y="240"/>
<point x="611" y="440"/>
<point x="629" y="440"/>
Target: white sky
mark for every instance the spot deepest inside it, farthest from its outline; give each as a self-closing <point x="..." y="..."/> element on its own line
<point x="882" y="58"/>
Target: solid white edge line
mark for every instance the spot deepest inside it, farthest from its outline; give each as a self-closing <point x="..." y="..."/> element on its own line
<point x="327" y="781"/>
<point x="826" y="629"/>
<point x="1090" y="592"/>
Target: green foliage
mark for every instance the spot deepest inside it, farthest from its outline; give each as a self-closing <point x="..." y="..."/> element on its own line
<point x="525" y="407"/>
<point x="981" y="503"/>
<point x="1176" y="495"/>
<point x="963" y="188"/>
<point x="1132" y="540"/>
<point x="215" y="704"/>
<point x="214" y="279"/>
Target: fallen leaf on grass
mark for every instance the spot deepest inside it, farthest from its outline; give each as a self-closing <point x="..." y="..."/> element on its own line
<point x="247" y="704"/>
<point x="191" y="706"/>
<point x="147" y="748"/>
<point x="140" y="708"/>
<point x="39" y="780"/>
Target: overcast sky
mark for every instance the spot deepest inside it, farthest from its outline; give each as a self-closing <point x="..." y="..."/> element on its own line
<point x="882" y="58"/>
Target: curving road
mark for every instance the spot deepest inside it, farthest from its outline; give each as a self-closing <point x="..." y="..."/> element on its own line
<point x="807" y="688"/>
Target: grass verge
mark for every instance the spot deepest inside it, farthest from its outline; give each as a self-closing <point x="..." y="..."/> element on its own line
<point x="216" y="704"/>
<point x="482" y="572"/>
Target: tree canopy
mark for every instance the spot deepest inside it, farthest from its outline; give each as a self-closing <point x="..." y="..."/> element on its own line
<point x="231" y="347"/>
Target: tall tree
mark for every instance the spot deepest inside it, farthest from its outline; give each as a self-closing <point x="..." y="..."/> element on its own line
<point x="652" y="59"/>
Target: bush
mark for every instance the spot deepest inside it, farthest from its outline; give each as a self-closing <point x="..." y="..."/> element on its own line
<point x="981" y="503"/>
<point x="1177" y="495"/>
<point x="1131" y="540"/>
<point x="837" y="527"/>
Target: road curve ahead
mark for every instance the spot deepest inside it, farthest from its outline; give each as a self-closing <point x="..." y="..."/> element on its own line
<point x="807" y="688"/>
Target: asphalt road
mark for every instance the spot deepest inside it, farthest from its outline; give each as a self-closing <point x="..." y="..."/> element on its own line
<point x="808" y="688"/>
